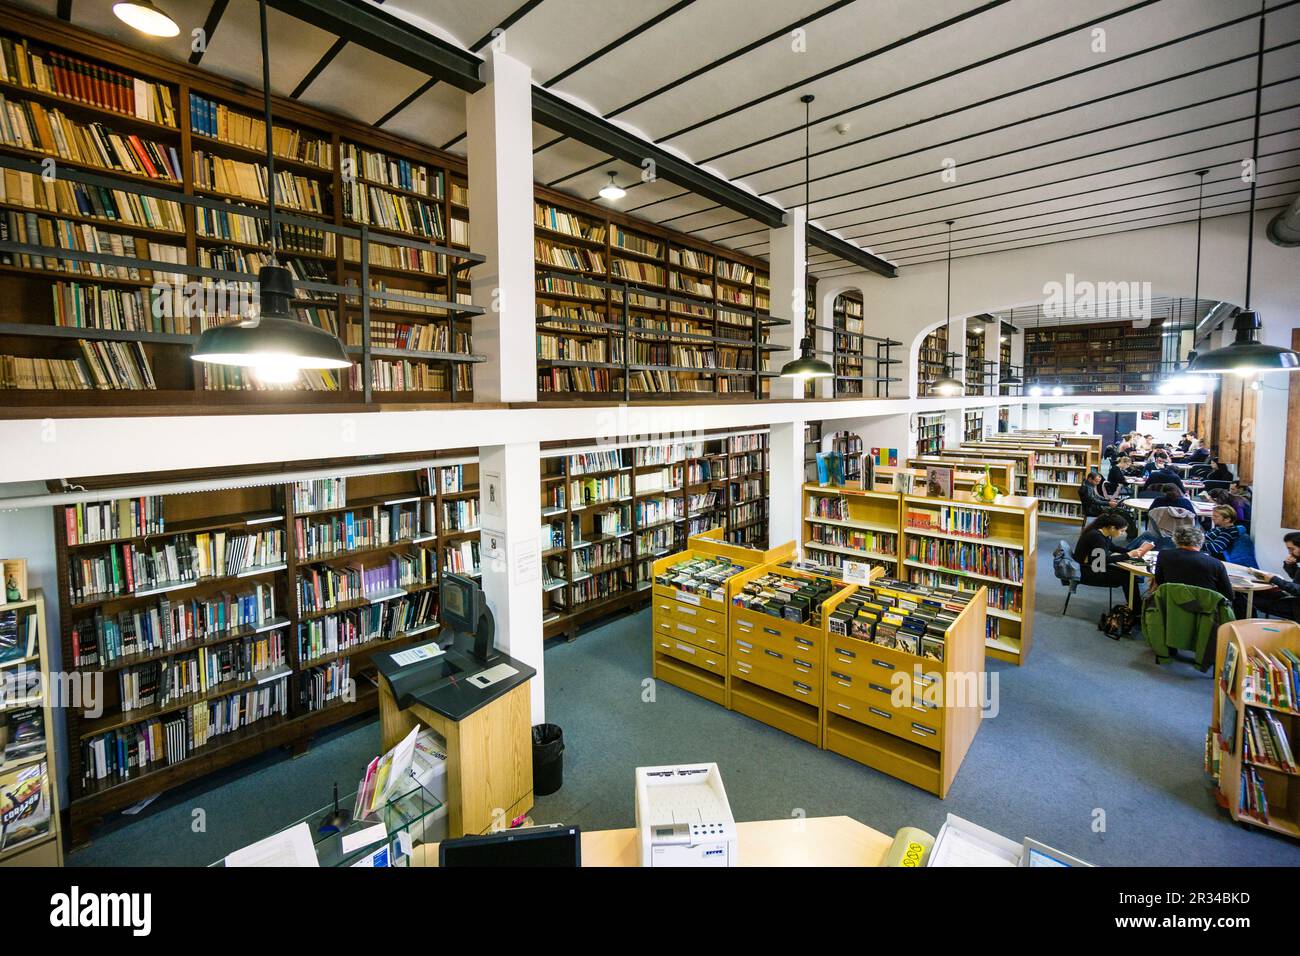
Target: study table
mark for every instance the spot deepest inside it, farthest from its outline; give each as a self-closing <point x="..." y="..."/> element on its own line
<point x="1203" y="509"/>
<point x="1138" y="569"/>
<point x="814" y="841"/>
<point x="1189" y="483"/>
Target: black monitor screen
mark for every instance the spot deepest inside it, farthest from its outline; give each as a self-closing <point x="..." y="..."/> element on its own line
<point x="460" y="602"/>
<point x="531" y="846"/>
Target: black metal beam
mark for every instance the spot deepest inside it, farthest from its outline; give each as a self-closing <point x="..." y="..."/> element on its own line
<point x="850" y="253"/>
<point x="563" y="117"/>
<point x="382" y="33"/>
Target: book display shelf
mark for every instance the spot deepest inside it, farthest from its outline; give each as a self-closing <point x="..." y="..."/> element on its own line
<point x="973" y="545"/>
<point x="1109" y="358"/>
<point x="626" y="309"/>
<point x="812" y="443"/>
<point x="158" y="215"/>
<point x="978" y="372"/>
<point x="1058" y="468"/>
<point x="860" y="360"/>
<point x="966" y="472"/>
<point x="972" y="425"/>
<point x="1094" y="443"/>
<point x="692" y="597"/>
<point x="930" y="429"/>
<point x="607" y="516"/>
<point x="1250" y="745"/>
<point x="232" y="621"/>
<point x="931" y="360"/>
<point x="849" y="523"/>
<point x="29" y="781"/>
<point x="850" y="446"/>
<point x="979" y="453"/>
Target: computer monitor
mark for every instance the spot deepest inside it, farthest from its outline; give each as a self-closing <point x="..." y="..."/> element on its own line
<point x="555" y="845"/>
<point x="461" y="603"/>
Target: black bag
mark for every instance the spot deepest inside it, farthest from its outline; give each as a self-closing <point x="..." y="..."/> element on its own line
<point x="1117" y="622"/>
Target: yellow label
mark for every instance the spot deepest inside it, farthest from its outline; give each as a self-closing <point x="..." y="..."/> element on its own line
<point x="913" y="855"/>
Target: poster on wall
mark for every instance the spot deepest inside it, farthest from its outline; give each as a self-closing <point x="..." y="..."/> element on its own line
<point x="1149" y="417"/>
<point x="885" y="457"/>
<point x="1174" y="418"/>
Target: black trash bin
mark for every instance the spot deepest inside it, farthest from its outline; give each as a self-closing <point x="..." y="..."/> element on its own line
<point x="548" y="759"/>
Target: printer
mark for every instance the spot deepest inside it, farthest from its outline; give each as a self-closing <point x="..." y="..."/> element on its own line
<point x="683" y="817"/>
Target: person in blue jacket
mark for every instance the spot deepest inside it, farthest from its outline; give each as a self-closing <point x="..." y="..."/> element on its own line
<point x="1228" y="539"/>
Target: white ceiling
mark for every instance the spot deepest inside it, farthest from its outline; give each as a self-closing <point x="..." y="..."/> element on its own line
<point x="1052" y="138"/>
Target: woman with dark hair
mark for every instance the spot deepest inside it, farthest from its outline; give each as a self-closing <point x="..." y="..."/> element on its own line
<point x="1171" y="496"/>
<point x="1222" y="496"/>
<point x="1218" y="471"/>
<point x="1097" y="552"/>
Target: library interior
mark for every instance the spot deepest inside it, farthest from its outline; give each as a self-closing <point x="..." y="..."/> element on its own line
<point x="832" y="500"/>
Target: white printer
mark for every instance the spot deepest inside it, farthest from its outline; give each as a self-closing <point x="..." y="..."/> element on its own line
<point x="683" y="818"/>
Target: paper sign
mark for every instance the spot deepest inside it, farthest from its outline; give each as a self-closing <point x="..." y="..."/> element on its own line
<point x="414" y="655"/>
<point x="360" y="838"/>
<point x="491" y="493"/>
<point x="857" y="572"/>
<point x="527" y="562"/>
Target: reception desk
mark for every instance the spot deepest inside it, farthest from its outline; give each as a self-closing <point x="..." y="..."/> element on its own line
<point x="815" y="841"/>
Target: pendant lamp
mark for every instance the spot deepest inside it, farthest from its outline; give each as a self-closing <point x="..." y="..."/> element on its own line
<point x="807" y="365"/>
<point x="274" y="344"/>
<point x="146" y="17"/>
<point x="947" y="384"/>
<point x="1247" y="355"/>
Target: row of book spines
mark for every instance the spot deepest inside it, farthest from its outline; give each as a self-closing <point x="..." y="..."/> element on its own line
<point x="30" y="126"/>
<point x="86" y="82"/>
<point x="213" y="119"/>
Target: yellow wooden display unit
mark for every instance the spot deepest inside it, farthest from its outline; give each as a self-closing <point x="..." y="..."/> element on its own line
<point x="1055" y="473"/>
<point x="690" y="644"/>
<point x="921" y="737"/>
<point x="1250" y="703"/>
<point x="842" y="522"/>
<point x="777" y="665"/>
<point x="964" y="477"/>
<point x="1021" y="462"/>
<point x="1001" y="473"/>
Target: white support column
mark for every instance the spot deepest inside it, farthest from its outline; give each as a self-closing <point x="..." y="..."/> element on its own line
<point x="499" y="145"/>
<point x="992" y="352"/>
<point x="788" y="261"/>
<point x="824" y="342"/>
<point x="509" y="476"/>
<point x="785" y="483"/>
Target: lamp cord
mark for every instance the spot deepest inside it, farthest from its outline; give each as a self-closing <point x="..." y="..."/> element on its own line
<point x="1254" y="149"/>
<point x="270" y="153"/>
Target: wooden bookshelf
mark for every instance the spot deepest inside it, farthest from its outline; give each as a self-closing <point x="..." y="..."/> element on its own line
<point x="691" y="626"/>
<point x="384" y="541"/>
<point x="850" y="445"/>
<point x="931" y="360"/>
<point x="977" y="370"/>
<point x="812" y="443"/>
<point x="607" y="516"/>
<point x="851" y="524"/>
<point x="695" y="320"/>
<point x="976" y="545"/>
<point x="972" y="425"/>
<point x="1103" y="358"/>
<point x="977" y="454"/>
<point x="195" y="207"/>
<point x="1246" y="715"/>
<point x="966" y="472"/>
<point x="921" y="737"/>
<point x="37" y="844"/>
<point x="930" y="433"/>
<point x="849" y="360"/>
<point x="1056" y="473"/>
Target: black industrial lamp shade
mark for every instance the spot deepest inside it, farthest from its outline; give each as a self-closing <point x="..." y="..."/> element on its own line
<point x="1012" y="379"/>
<point x="1246" y="355"/>
<point x="274" y="344"/>
<point x="806" y="365"/>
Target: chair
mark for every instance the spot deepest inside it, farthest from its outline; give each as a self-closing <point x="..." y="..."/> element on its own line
<point x="1165" y="521"/>
<point x="1070" y="575"/>
<point x="1197" y="472"/>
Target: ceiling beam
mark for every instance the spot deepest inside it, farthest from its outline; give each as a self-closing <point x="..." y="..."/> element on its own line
<point x="562" y="116"/>
<point x="390" y="36"/>
<point x="850" y="253"/>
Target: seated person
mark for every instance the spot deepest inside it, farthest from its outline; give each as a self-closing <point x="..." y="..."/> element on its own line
<point x="1185" y="442"/>
<point x="1198" y="454"/>
<point x="1285" y="601"/>
<point x="1097" y="553"/>
<point x="1228" y="539"/>
<point x="1093" y="497"/>
<point x="1170" y="496"/>
<point x="1162" y="474"/>
<point x="1223" y="496"/>
<point x="1186" y="563"/>
<point x="1118" y="472"/>
<point x="1218" y="471"/>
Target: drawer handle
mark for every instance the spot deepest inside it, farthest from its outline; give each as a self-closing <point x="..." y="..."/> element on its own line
<point x="686" y="627"/>
<point x="685" y="647"/>
<point x="845" y="706"/>
<point x="710" y="620"/>
<point x="799" y="663"/>
<point x="775" y="654"/>
<point x="922" y="730"/>
<point x="840" y="650"/>
<point x="881" y="713"/>
<point x="885" y="664"/>
<point x="711" y="663"/>
<point x="773" y="631"/>
<point x="842" y="677"/>
<point x="665" y="644"/>
<point x="742" y="667"/>
<point x="882" y="689"/>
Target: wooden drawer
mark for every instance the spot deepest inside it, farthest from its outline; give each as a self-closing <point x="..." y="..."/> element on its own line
<point x="703" y="637"/>
<point x="757" y="654"/>
<point x="922" y="730"/>
<point x="777" y="638"/>
<point x="701" y="617"/>
<point x="689" y="653"/>
<point x="876" y="663"/>
<point x="665" y="595"/>
<point x="783" y="679"/>
<point x="880" y="693"/>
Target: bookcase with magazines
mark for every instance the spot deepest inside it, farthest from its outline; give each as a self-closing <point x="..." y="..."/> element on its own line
<point x="239" y="619"/>
<point x="127" y="163"/>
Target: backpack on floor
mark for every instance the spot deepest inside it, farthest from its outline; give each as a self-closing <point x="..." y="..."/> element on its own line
<point x="1117" y="622"/>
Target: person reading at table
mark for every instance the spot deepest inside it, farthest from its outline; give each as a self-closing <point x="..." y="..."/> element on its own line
<point x="1170" y="496"/>
<point x="1119" y="470"/>
<point x="1093" y="496"/>
<point x="1186" y="563"/>
<point x="1285" y="600"/>
<point x="1185" y="442"/>
<point x="1239" y="505"/>
<point x="1218" y="471"/>
<point x="1097" y="553"/>
<point x="1198" y="453"/>
<point x="1228" y="539"/>
<point x="1162" y="474"/>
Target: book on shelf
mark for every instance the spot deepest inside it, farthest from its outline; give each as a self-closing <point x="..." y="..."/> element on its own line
<point x="393" y="171"/>
<point x="233" y="177"/>
<point x="30" y="126"/>
<point x="63" y="196"/>
<point x="85" y="81"/>
<point x="218" y="121"/>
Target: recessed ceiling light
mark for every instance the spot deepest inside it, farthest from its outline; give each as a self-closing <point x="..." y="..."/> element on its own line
<point x="612" y="190"/>
<point x="145" y="17"/>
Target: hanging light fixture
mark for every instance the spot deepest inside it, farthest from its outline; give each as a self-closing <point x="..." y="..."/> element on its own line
<point x="948" y="384"/>
<point x="274" y="344"/>
<point x="1247" y="355"/>
<point x="807" y="365"/>
<point x="612" y="190"/>
<point x="145" y="17"/>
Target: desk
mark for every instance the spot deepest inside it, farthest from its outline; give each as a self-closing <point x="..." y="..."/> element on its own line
<point x="816" y="841"/>
<point x="1138" y="569"/>
<point x="1203" y="509"/>
<point x="1190" y="483"/>
<point x="489" y="745"/>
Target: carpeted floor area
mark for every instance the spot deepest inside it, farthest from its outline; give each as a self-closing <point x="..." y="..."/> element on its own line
<point x="1095" y="750"/>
